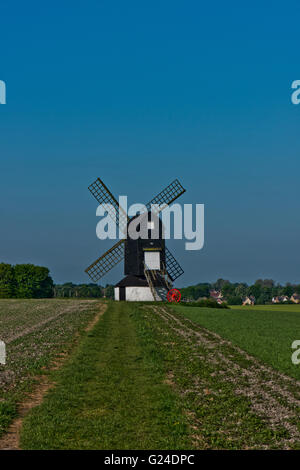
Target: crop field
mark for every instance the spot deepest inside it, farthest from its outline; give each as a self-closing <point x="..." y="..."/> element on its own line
<point x="35" y="332"/>
<point x="160" y="377"/>
<point x="150" y="376"/>
<point x="266" y="331"/>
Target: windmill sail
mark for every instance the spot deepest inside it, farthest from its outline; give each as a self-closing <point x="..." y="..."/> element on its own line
<point x="173" y="268"/>
<point x="106" y="262"/>
<point x="103" y="195"/>
<point x="167" y="196"/>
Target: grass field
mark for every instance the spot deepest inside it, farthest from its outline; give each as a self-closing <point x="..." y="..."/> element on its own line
<point x="35" y="331"/>
<point x="151" y="376"/>
<point x="266" y="331"/>
<point x="147" y="377"/>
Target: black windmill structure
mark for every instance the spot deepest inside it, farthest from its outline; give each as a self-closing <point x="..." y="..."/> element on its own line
<point x="149" y="266"/>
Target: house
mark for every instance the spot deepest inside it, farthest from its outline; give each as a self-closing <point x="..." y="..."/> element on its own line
<point x="280" y="299"/>
<point x="215" y="294"/>
<point x="295" y="298"/>
<point x="249" y="300"/>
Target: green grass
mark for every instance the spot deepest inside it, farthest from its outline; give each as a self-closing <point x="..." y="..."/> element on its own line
<point x="293" y="308"/>
<point x="266" y="332"/>
<point x="137" y="382"/>
<point x="111" y="395"/>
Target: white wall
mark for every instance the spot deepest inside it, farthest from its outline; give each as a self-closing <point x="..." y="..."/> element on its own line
<point x="134" y="294"/>
<point x="138" y="293"/>
<point x="2" y="353"/>
<point x="117" y="293"/>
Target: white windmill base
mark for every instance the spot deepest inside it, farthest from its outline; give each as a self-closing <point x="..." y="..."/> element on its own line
<point x="142" y="293"/>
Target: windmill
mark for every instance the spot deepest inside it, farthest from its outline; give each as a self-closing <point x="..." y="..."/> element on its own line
<point x="149" y="266"/>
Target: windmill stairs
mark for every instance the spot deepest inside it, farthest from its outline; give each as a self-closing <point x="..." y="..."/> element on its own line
<point x="161" y="280"/>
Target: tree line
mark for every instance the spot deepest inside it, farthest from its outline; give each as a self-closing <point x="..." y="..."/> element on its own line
<point x="68" y="289"/>
<point x="262" y="289"/>
<point x="30" y="281"/>
<point x="25" y="281"/>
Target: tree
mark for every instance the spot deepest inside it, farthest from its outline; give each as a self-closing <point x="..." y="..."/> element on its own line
<point x="228" y="290"/>
<point x="109" y="291"/>
<point x="202" y="290"/>
<point x="33" y="281"/>
<point x="288" y="290"/>
<point x="68" y="289"/>
<point x="44" y="283"/>
<point x="297" y="289"/>
<point x="95" y="291"/>
<point x="220" y="283"/>
<point x="265" y="282"/>
<point x="7" y="281"/>
<point x="262" y="299"/>
<point x="83" y="291"/>
<point x="241" y="290"/>
<point x="234" y="300"/>
<point x="255" y="290"/>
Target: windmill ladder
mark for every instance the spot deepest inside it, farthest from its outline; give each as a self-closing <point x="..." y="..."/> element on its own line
<point x="149" y="273"/>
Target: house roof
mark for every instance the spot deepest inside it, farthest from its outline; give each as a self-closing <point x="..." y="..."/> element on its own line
<point x="215" y="294"/>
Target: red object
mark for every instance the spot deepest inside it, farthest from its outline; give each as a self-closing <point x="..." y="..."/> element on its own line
<point x="174" y="295"/>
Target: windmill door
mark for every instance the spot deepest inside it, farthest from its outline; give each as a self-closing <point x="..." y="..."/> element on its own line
<point x="122" y="293"/>
<point x="152" y="259"/>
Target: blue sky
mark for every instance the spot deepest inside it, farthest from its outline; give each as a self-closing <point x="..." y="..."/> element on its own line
<point x="139" y="93"/>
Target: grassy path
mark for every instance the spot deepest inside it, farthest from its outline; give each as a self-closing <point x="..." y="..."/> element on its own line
<point x="111" y="395"/>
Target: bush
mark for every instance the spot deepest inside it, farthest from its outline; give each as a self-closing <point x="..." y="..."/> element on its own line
<point x="211" y="303"/>
<point x="234" y="300"/>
